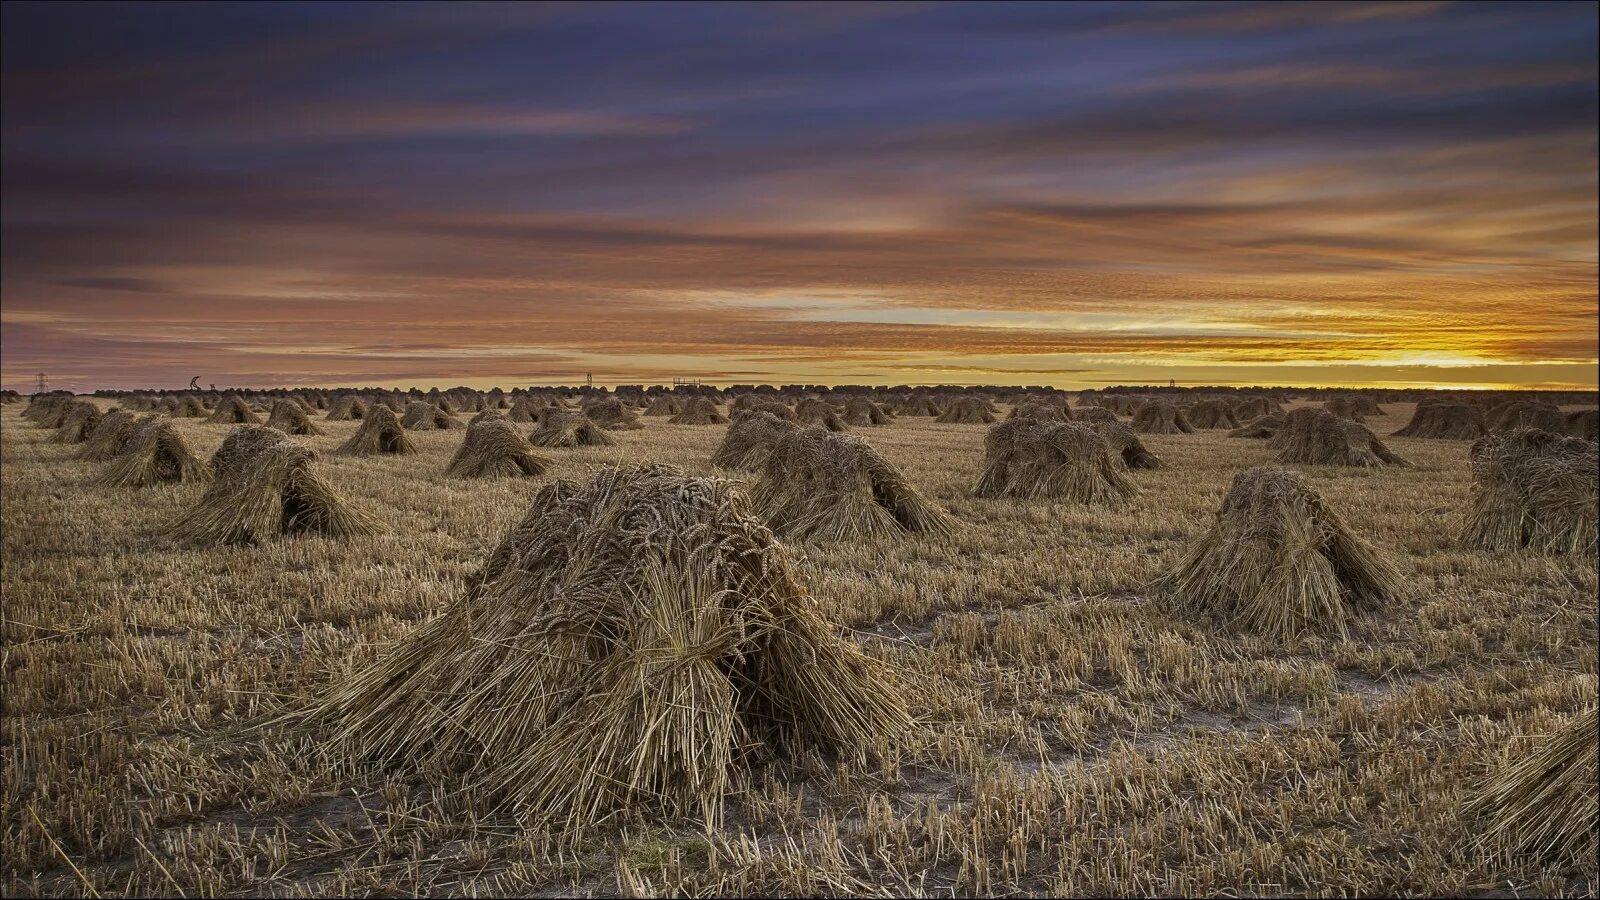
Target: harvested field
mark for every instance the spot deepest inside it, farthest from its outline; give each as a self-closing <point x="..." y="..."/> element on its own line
<point x="1072" y="735"/>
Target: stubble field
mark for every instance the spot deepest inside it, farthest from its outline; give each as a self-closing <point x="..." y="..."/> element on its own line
<point x="1071" y="738"/>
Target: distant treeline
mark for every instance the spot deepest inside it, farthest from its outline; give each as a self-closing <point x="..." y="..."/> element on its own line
<point x="996" y="392"/>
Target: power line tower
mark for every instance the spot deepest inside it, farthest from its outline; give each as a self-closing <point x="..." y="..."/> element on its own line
<point x="42" y="382"/>
<point x="588" y="379"/>
<point x="1172" y="382"/>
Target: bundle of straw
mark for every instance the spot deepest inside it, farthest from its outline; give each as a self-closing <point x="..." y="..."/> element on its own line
<point x="1324" y="439"/>
<point x="1260" y="427"/>
<point x="1533" y="490"/>
<point x="1212" y="414"/>
<point x="78" y="421"/>
<point x="1543" y="805"/>
<point x="821" y="484"/>
<point x="1161" y="417"/>
<point x="1031" y="459"/>
<point x="811" y="411"/>
<point x="627" y="645"/>
<point x="265" y="487"/>
<point x="1279" y="562"/>
<point x="699" y="411"/>
<point x="1432" y="419"/>
<point x="750" y="439"/>
<point x="966" y="411"/>
<point x="1125" y="445"/>
<point x="423" y="416"/>
<point x="290" y="417"/>
<point x="493" y="449"/>
<point x="1044" y="411"/>
<point x="564" y="428"/>
<point x="378" y="433"/>
<point x="155" y="454"/>
<point x="233" y="411"/>
<point x="110" y="436"/>
<point x="860" y="411"/>
<point x="664" y="405"/>
<point x="612" y="415"/>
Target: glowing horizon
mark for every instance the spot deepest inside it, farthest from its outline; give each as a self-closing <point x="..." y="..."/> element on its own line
<point x="1351" y="194"/>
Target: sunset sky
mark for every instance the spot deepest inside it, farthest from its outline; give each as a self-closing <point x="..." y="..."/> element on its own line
<point x="1312" y="194"/>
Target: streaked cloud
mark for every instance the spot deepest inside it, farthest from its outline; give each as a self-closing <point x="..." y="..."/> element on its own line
<point x="1076" y="193"/>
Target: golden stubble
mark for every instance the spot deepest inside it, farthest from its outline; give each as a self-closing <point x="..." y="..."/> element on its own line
<point x="1072" y="738"/>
